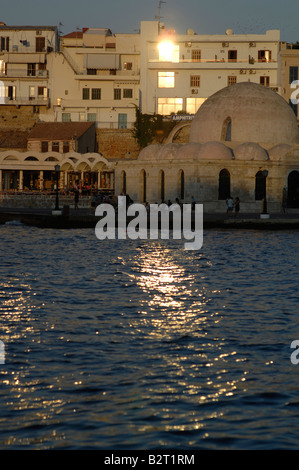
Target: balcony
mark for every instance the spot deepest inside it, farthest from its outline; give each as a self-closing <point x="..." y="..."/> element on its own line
<point x="213" y="63"/>
<point x="19" y="73"/>
<point x="28" y="101"/>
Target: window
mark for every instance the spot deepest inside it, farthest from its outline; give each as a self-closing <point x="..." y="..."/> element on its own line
<point x="91" y="71"/>
<point x="96" y="93"/>
<point x="31" y="70"/>
<point x="55" y="146"/>
<point x="10" y="92"/>
<point x="4" y="44"/>
<point x="85" y="94"/>
<point x="81" y="117"/>
<point x="232" y="56"/>
<point x="40" y="44"/>
<point x="122" y="121"/>
<point x="42" y="92"/>
<point x="166" y="106"/>
<point x="224" y="185"/>
<point x="128" y="93"/>
<point x="117" y="93"/>
<point x="169" y="52"/>
<point x="195" y="81"/>
<point x="3" y="67"/>
<point x="265" y="81"/>
<point x="260" y="186"/>
<point x="196" y="55"/>
<point x="91" y="117"/>
<point x="294" y="107"/>
<point x="66" y="147"/>
<point x="264" y="56"/>
<point x="226" y="133"/>
<point x="231" y="80"/>
<point x="128" y="65"/>
<point x="66" y="117"/>
<point x="193" y="104"/>
<point x="165" y="79"/>
<point x="45" y="146"/>
<point x="293" y="74"/>
<point x="31" y="92"/>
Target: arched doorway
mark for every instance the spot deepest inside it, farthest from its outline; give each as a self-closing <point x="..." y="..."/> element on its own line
<point x="224" y="185"/>
<point x="143" y="186"/>
<point x="162" y="185"/>
<point x="260" y="186"/>
<point x="181" y="185"/>
<point x="293" y="189"/>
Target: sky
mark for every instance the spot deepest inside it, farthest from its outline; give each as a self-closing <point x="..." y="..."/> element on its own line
<point x="124" y="16"/>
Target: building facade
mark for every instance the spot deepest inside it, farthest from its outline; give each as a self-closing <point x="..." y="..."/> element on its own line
<point x="24" y="70"/>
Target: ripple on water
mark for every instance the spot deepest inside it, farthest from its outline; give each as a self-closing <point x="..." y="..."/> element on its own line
<point x="140" y="344"/>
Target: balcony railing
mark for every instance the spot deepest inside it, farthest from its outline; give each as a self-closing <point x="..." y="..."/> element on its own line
<point x="32" y="101"/>
<point x="15" y="73"/>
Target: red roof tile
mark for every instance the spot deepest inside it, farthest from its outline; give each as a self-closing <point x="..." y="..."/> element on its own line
<point x="59" y="130"/>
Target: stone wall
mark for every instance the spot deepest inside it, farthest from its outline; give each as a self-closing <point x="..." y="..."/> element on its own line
<point x="13" y="118"/>
<point x="117" y="143"/>
<point x="40" y="201"/>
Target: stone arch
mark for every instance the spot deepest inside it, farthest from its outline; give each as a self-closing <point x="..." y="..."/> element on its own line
<point x="181" y="184"/>
<point x="293" y="189"/>
<point x="142" y="185"/>
<point x="175" y="131"/>
<point x="224" y="184"/>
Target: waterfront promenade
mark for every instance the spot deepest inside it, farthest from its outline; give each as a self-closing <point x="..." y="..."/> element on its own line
<point x="85" y="218"/>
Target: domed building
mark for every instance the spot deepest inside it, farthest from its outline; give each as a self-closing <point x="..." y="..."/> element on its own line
<point x="244" y="141"/>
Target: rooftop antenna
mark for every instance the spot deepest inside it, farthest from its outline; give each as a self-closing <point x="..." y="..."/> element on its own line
<point x="159" y="12"/>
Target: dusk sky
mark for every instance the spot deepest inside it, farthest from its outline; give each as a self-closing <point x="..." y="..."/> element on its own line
<point x="124" y="16"/>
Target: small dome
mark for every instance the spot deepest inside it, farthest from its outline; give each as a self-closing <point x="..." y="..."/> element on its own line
<point x="255" y="113"/>
<point x="168" y="152"/>
<point x="250" y="151"/>
<point x="149" y="152"/>
<point x="214" y="151"/>
<point x="188" y="151"/>
<point x="278" y="152"/>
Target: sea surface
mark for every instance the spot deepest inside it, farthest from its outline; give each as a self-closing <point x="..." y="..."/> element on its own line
<point x="122" y="344"/>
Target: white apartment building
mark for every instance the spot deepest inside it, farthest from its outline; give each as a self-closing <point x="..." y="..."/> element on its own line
<point x="179" y="72"/>
<point x="96" y="77"/>
<point x="24" y="72"/>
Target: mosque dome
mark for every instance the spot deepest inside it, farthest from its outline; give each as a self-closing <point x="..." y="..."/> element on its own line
<point x="188" y="151"/>
<point x="250" y="151"/>
<point x="215" y="151"/>
<point x="278" y="152"/>
<point x="168" y="152"/>
<point x="149" y="152"/>
<point x="245" y="112"/>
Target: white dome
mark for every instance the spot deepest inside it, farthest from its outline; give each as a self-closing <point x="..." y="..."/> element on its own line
<point x="149" y="152"/>
<point x="255" y="114"/>
<point x="250" y="151"/>
<point x="214" y="151"/>
<point x="278" y="152"/>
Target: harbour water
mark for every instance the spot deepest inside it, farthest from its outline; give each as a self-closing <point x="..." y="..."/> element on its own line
<point x="143" y="345"/>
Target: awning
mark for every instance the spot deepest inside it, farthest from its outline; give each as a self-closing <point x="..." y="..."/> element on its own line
<point x="102" y="61"/>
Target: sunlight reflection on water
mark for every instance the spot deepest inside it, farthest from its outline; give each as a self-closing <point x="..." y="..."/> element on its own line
<point x="133" y="345"/>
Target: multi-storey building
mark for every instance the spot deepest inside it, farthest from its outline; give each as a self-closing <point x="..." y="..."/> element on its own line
<point x="179" y="72"/>
<point x="24" y="72"/>
<point x="289" y="58"/>
<point x="96" y="77"/>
